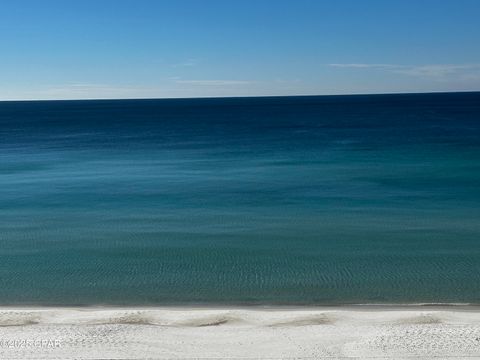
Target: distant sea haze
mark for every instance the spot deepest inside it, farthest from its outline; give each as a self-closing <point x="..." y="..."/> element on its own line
<point x="288" y="200"/>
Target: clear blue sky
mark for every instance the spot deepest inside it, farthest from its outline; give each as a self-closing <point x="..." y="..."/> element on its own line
<point x="180" y="48"/>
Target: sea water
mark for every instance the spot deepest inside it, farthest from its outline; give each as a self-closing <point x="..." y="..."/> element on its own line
<point x="281" y="200"/>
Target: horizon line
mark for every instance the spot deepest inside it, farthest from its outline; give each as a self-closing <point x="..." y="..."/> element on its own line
<point x="246" y="96"/>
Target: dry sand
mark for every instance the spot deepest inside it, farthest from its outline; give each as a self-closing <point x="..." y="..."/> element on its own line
<point x="235" y="333"/>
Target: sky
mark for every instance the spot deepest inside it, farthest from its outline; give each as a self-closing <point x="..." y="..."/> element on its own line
<point x="81" y="49"/>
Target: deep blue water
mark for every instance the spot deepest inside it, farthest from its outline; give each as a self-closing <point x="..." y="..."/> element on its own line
<point x="291" y="200"/>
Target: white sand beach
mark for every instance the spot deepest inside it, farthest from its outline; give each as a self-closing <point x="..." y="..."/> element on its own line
<point x="240" y="333"/>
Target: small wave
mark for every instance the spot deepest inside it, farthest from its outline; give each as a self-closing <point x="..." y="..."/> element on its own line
<point x="393" y="305"/>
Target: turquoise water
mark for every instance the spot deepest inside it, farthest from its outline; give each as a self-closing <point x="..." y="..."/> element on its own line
<point x="294" y="200"/>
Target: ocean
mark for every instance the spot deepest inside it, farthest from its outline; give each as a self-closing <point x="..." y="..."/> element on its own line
<point x="246" y="201"/>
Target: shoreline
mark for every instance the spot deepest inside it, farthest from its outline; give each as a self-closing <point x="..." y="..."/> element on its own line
<point x="253" y="307"/>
